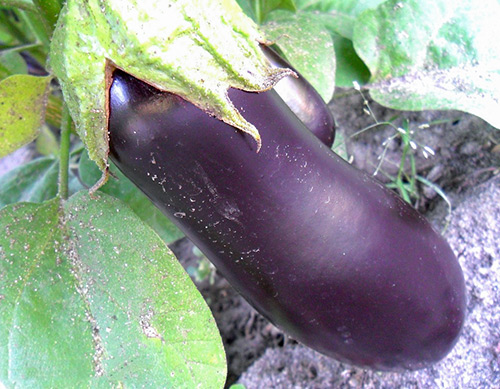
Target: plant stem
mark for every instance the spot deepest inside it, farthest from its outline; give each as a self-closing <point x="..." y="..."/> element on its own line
<point x="257" y="10"/>
<point x="18" y="49"/>
<point x="399" y="179"/>
<point x="64" y="153"/>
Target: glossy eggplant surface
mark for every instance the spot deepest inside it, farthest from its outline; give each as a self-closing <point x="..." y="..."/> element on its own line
<point x="322" y="250"/>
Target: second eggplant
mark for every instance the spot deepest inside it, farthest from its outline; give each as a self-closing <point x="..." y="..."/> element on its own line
<point x="303" y="100"/>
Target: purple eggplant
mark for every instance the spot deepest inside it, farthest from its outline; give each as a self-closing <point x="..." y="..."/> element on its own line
<point x="321" y="249"/>
<point x="303" y="100"/>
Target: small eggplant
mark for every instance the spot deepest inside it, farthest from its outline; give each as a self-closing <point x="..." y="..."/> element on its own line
<point x="321" y="249"/>
<point x="303" y="100"/>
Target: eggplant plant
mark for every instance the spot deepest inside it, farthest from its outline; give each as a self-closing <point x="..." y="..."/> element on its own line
<point x="232" y="144"/>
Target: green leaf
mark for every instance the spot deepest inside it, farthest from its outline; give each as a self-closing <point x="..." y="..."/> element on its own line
<point x="351" y="8"/>
<point x="271" y="5"/>
<point x="350" y="67"/>
<point x="83" y="304"/>
<point x="122" y="188"/>
<point x="307" y="45"/>
<point x="45" y="337"/>
<point x="265" y="7"/>
<point x="340" y="147"/>
<point x="197" y="49"/>
<point x="246" y="7"/>
<point x="46" y="143"/>
<point x="259" y="9"/>
<point x="21" y="4"/>
<point x="4" y="71"/>
<point x="438" y="54"/>
<point x="49" y="10"/>
<point x="35" y="181"/>
<point x="22" y="110"/>
<point x="11" y="63"/>
<point x="339" y="16"/>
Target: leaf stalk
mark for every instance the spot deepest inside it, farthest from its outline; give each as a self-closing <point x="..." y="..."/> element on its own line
<point x="64" y="153"/>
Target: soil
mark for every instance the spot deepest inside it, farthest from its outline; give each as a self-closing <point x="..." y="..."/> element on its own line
<point x="467" y="149"/>
<point x="464" y="152"/>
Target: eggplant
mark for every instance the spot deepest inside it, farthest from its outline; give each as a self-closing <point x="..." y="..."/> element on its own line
<point x="322" y="250"/>
<point x="303" y="100"/>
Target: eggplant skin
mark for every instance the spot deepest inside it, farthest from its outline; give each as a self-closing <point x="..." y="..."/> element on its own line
<point x="303" y="100"/>
<point x="322" y="250"/>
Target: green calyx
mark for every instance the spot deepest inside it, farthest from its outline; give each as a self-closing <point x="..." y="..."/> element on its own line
<point x="197" y="49"/>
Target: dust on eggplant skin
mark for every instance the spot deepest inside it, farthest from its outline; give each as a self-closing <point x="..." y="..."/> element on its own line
<point x="227" y="208"/>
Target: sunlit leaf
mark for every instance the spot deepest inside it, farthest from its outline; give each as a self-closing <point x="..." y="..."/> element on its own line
<point x="22" y="110"/>
<point x="339" y="16"/>
<point x="90" y="296"/>
<point x="438" y="54"/>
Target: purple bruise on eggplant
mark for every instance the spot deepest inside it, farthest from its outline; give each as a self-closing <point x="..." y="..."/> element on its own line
<point x="303" y="100"/>
<point x="321" y="249"/>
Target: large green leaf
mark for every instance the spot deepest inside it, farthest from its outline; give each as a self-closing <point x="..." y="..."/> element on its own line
<point x="339" y="16"/>
<point x="121" y="187"/>
<point x="90" y="296"/>
<point x="22" y="110"/>
<point x="433" y="54"/>
<point x="35" y="181"/>
<point x="49" y="10"/>
<point x="45" y="338"/>
<point x="307" y="45"/>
